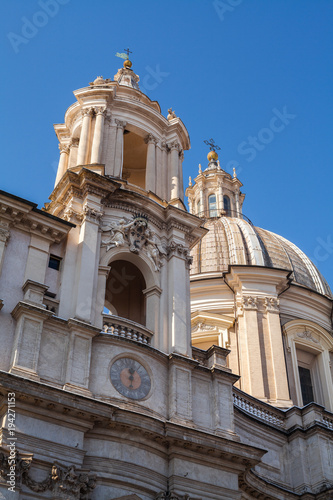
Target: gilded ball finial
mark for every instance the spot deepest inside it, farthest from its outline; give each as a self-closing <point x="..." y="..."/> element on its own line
<point x="212" y="156"/>
<point x="127" y="64"/>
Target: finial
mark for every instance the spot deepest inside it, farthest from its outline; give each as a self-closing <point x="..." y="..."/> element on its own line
<point x="200" y="169"/>
<point x="212" y="155"/>
<point x="125" y="55"/>
<point x="234" y="175"/>
<point x="190" y="181"/>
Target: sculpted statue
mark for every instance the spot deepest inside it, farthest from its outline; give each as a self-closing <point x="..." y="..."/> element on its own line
<point x="118" y="234"/>
<point x="154" y="248"/>
<point x="171" y="114"/>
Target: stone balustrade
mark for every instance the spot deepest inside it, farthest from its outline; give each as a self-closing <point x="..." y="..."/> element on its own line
<point x="257" y="409"/>
<point x="328" y="421"/>
<point x="125" y="328"/>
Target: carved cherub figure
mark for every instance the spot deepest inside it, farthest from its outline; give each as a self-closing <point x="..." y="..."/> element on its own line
<point x="117" y="236"/>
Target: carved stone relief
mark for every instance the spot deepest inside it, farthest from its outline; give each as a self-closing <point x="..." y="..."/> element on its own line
<point x="137" y="236"/>
<point x="307" y="335"/>
<point x="64" y="482"/>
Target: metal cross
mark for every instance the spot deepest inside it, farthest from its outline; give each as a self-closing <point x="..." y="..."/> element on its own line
<point x="128" y="52"/>
<point x="212" y="145"/>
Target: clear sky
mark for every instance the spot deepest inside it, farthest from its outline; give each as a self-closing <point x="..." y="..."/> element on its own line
<point x="256" y="75"/>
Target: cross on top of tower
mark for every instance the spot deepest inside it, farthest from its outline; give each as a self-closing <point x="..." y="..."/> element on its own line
<point x="212" y="145"/>
<point x="128" y="52"/>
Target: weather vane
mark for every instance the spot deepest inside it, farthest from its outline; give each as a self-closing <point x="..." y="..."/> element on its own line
<point x="212" y="145"/>
<point x="125" y="54"/>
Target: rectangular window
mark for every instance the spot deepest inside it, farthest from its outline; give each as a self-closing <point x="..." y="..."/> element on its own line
<point x="306" y="385"/>
<point x="54" y="262"/>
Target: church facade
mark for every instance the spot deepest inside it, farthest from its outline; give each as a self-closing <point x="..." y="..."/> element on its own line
<point x="150" y="351"/>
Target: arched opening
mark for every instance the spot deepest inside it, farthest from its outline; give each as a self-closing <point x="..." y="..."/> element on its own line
<point x="212" y="207"/>
<point x="135" y="158"/>
<point x="227" y="205"/>
<point x="124" y="291"/>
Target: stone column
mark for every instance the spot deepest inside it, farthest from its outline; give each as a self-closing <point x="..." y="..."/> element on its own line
<point x="151" y="163"/>
<point x="164" y="171"/>
<point x="84" y="137"/>
<point x="250" y="347"/>
<point x="103" y="272"/>
<point x="180" y="174"/>
<point x="220" y="193"/>
<point x="179" y="303"/>
<point x="97" y="144"/>
<point x="202" y="200"/>
<point x="63" y="162"/>
<point x="277" y="375"/>
<point x="190" y="205"/>
<point x="175" y="181"/>
<point x="237" y="203"/>
<point x="4" y="237"/>
<point x="74" y="146"/>
<point x="159" y="172"/>
<point x="152" y="296"/>
<point x="119" y="152"/>
<point x="86" y="264"/>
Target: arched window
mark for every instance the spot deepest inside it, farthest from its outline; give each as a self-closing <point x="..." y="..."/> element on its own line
<point x="124" y="291"/>
<point x="212" y="205"/>
<point x="227" y="205"/>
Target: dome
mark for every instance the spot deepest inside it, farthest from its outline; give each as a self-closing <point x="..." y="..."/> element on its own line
<point x="235" y="241"/>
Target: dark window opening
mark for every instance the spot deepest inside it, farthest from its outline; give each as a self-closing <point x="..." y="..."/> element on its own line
<point x="54" y="262"/>
<point x="306" y="385"/>
<point x="227" y="205"/>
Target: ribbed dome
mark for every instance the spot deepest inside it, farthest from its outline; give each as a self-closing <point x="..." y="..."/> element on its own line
<point x="235" y="241"/>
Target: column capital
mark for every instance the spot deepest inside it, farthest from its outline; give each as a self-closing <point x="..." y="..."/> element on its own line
<point x="92" y="214"/>
<point x="150" y="139"/>
<point x="272" y="304"/>
<point x="120" y="123"/>
<point x="87" y="112"/>
<point x="64" y="148"/>
<point x="174" y="146"/>
<point x="4" y="233"/>
<point x="100" y="110"/>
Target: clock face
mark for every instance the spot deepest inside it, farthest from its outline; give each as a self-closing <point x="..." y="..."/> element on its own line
<point x="130" y="378"/>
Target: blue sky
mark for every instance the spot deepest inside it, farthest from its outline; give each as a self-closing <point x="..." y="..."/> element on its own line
<point x="227" y="68"/>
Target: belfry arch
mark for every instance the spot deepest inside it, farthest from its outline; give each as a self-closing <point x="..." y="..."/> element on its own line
<point x="124" y="291"/>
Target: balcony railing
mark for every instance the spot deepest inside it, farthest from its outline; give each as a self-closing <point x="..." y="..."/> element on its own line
<point x="258" y="409"/>
<point x="215" y="213"/>
<point x="125" y="328"/>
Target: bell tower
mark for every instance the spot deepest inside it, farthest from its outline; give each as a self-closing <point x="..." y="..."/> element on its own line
<point x="125" y="268"/>
<point x="215" y="192"/>
<point x="116" y="131"/>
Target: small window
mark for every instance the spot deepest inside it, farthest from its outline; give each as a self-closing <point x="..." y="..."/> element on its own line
<point x="212" y="205"/>
<point x="306" y="385"/>
<point x="227" y="205"/>
<point x="54" y="262"/>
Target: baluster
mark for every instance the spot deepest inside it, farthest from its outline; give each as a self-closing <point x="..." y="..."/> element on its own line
<point x="115" y="330"/>
<point x="122" y="331"/>
<point x="129" y="333"/>
<point x="134" y="335"/>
